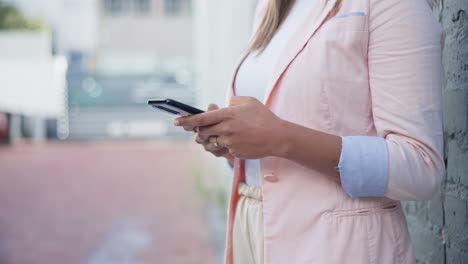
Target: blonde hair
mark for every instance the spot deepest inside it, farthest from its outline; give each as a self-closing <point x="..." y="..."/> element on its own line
<point x="276" y="13"/>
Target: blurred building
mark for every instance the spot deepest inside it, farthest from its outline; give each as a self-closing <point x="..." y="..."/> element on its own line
<point x="73" y="22"/>
<point x="143" y="50"/>
<point x="144" y="36"/>
<point x="32" y="79"/>
<point x="122" y="52"/>
<point x="119" y="54"/>
<point x="32" y="82"/>
<point x="118" y="36"/>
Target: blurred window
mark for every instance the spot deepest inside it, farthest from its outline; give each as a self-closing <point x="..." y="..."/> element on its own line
<point x="113" y="7"/>
<point x="142" y="6"/>
<point x="177" y="7"/>
<point x="127" y="7"/>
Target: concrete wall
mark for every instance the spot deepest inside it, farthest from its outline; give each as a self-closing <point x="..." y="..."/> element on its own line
<point x="439" y="228"/>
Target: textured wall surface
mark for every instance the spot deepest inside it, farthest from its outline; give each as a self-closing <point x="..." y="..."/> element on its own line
<point x="439" y="228"/>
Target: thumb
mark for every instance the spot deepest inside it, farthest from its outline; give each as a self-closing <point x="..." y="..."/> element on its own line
<point x="239" y="100"/>
<point x="212" y="107"/>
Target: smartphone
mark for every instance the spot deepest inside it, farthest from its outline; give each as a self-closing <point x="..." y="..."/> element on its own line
<point x="174" y="107"/>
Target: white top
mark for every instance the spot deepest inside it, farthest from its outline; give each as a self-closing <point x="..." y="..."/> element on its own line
<point x="255" y="72"/>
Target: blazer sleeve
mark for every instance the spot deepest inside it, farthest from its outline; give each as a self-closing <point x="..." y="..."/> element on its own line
<point x="405" y="76"/>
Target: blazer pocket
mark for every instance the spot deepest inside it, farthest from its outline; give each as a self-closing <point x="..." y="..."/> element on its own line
<point x="351" y="14"/>
<point x="352" y="21"/>
<point x="390" y="207"/>
<point x="366" y="235"/>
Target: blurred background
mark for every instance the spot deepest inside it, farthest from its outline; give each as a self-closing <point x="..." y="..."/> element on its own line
<point x="90" y="174"/>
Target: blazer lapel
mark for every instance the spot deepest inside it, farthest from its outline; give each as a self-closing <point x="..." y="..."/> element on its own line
<point x="295" y="46"/>
<point x="232" y="90"/>
<point x="289" y="53"/>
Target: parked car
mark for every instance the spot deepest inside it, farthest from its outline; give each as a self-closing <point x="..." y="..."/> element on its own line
<point x="3" y="127"/>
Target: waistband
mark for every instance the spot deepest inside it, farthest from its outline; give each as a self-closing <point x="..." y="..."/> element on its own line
<point x="250" y="191"/>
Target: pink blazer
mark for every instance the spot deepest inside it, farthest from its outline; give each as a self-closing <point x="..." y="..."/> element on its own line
<point x="375" y="70"/>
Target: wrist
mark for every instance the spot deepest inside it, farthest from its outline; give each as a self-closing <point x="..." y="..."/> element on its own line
<point x="282" y="143"/>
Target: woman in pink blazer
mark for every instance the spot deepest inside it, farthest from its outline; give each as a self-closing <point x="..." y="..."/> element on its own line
<point x="349" y="125"/>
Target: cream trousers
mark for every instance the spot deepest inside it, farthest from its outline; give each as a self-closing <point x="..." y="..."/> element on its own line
<point x="248" y="226"/>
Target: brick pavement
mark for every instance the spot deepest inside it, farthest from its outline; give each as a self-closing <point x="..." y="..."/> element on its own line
<point x="101" y="203"/>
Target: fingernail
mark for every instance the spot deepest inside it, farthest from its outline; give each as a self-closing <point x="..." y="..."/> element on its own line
<point x="176" y="122"/>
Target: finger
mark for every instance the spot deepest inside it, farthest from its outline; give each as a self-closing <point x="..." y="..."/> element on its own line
<point x="240" y="100"/>
<point x="225" y="141"/>
<point x="220" y="152"/>
<point x="189" y="128"/>
<point x="201" y="139"/>
<point x="212" y="107"/>
<point x="211" y="146"/>
<point x="213" y="140"/>
<point x="218" y="129"/>
<point x="203" y="119"/>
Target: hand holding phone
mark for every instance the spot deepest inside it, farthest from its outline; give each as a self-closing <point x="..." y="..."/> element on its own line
<point x="174" y="107"/>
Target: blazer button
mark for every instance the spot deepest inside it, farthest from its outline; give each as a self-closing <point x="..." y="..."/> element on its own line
<point x="270" y="177"/>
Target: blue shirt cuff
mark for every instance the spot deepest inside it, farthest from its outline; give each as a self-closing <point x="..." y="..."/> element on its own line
<point x="363" y="166"/>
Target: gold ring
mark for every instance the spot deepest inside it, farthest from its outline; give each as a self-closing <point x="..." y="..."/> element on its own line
<point x="215" y="143"/>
